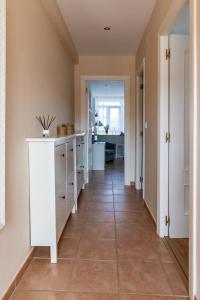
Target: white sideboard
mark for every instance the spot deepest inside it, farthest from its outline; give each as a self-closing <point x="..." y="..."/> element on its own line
<point x="54" y="182"/>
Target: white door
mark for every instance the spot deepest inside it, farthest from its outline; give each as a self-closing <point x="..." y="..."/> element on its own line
<point x="89" y="131"/>
<point x="141" y="131"/>
<point x="179" y="136"/>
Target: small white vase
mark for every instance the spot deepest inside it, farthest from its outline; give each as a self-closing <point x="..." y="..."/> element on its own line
<point x="45" y="133"/>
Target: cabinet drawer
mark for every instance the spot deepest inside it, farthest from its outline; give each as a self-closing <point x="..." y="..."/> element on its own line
<point x="61" y="209"/>
<point x="70" y="159"/>
<point x="60" y="165"/>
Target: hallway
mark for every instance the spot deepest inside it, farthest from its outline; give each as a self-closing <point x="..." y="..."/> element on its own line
<point x="109" y="250"/>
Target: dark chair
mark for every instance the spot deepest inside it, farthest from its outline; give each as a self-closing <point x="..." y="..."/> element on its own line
<point x="110" y="151"/>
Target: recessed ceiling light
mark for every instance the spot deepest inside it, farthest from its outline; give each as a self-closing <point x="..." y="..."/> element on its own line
<point x="107" y="28"/>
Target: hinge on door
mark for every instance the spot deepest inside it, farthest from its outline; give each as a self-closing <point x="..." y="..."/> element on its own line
<point x="167" y="137"/>
<point x="141" y="179"/>
<point x="141" y="133"/>
<point x="168" y="54"/>
<point x="141" y="86"/>
<point x="167" y="220"/>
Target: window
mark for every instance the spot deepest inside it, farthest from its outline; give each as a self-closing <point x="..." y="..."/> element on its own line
<point x="2" y="110"/>
<point x="109" y="113"/>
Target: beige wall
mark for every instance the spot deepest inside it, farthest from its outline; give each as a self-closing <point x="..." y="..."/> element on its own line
<point x="40" y="80"/>
<point x="197" y="211"/>
<point x="149" y="49"/>
<point x="108" y="66"/>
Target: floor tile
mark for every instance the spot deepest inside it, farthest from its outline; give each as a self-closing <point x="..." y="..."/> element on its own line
<point x="91" y="296"/>
<point x="74" y="230"/>
<point x="128" y="231"/>
<point x="99" y="231"/>
<point x="128" y="206"/>
<point x="143" y="250"/>
<point x="125" y="198"/>
<point x="94" y="277"/>
<point x="100" y="206"/>
<point x="130" y="217"/>
<point x="42" y="275"/>
<point x="68" y="248"/>
<point x="148" y="297"/>
<point x="104" y="198"/>
<point x="175" y="282"/>
<point x="100" y="217"/>
<point x="34" y="295"/>
<point x="143" y="277"/>
<point x="78" y="217"/>
<point x="97" y="249"/>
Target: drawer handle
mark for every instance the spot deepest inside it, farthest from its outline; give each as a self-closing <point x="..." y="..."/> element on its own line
<point x="78" y="145"/>
<point x="71" y="183"/>
<point x="79" y="172"/>
<point x="63" y="197"/>
<point x="63" y="155"/>
<point x="82" y="167"/>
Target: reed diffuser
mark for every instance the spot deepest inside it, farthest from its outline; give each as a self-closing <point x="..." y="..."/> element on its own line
<point x="46" y="123"/>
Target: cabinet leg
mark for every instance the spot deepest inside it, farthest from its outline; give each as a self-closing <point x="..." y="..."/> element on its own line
<point x="74" y="209"/>
<point x="54" y="257"/>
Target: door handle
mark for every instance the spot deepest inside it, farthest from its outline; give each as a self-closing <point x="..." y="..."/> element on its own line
<point x="63" y="197"/>
<point x="71" y="183"/>
<point x="63" y="155"/>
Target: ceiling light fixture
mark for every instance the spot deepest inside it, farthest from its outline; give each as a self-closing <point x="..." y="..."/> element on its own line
<point x="107" y="28"/>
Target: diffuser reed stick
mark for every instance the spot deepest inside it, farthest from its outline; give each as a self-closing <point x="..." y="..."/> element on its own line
<point x="46" y="123"/>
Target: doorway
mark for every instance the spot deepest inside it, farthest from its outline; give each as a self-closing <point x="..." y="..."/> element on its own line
<point x="140" y="131"/>
<point x="173" y="208"/>
<point x="89" y="118"/>
<point x="106" y="115"/>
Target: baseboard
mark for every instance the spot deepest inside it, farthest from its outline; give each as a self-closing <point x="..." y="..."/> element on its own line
<point x="18" y="276"/>
<point x="150" y="214"/>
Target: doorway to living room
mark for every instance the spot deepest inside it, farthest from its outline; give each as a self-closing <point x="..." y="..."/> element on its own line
<point x="106" y="119"/>
<point x="106" y="124"/>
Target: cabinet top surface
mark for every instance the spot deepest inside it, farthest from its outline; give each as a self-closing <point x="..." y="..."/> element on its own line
<point x="55" y="139"/>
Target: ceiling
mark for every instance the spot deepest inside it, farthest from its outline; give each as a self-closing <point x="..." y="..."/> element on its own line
<point x="107" y="88"/>
<point x="86" y="20"/>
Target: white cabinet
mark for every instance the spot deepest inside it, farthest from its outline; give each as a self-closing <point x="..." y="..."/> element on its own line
<point x="52" y="189"/>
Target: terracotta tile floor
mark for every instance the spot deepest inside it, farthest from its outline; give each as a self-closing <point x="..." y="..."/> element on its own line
<point x="109" y="251"/>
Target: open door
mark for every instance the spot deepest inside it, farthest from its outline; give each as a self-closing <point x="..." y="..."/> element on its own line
<point x="179" y="136"/>
<point x="89" y="133"/>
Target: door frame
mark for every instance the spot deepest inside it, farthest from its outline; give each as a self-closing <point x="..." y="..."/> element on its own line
<point x="137" y="150"/>
<point x="127" y="117"/>
<point x="162" y="146"/>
